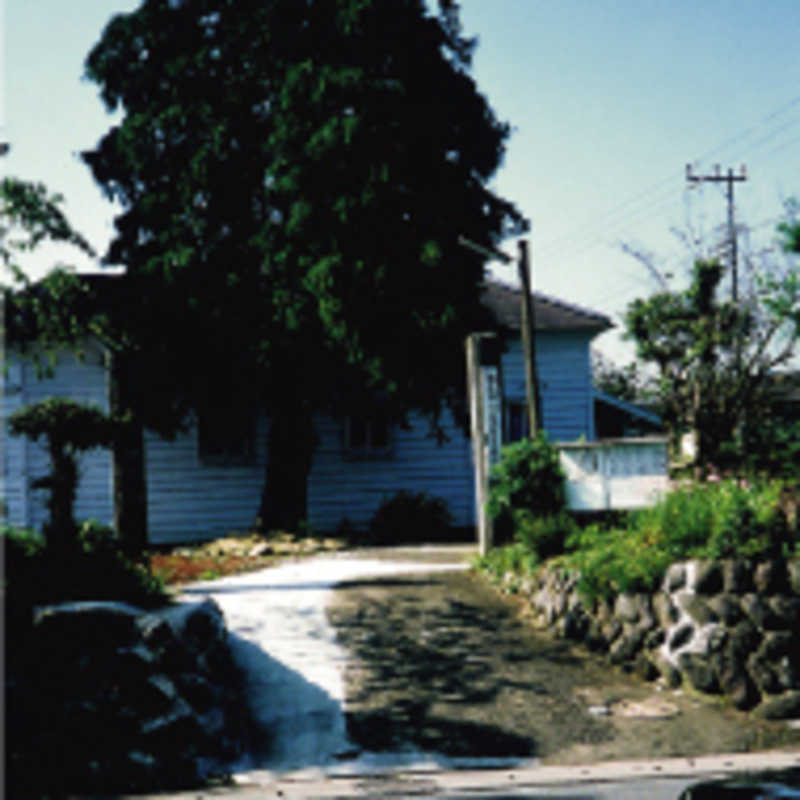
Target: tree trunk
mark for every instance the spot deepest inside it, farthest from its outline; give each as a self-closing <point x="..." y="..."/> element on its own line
<point x="284" y="501"/>
<point x="60" y="529"/>
<point x="129" y="481"/>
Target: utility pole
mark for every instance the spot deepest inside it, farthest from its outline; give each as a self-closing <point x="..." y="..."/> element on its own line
<point x="485" y="389"/>
<point x="730" y="178"/>
<point x="528" y="326"/>
<point x="529" y="341"/>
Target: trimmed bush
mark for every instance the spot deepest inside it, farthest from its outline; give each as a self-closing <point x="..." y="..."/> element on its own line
<point x="68" y="428"/>
<point x="410" y="517"/>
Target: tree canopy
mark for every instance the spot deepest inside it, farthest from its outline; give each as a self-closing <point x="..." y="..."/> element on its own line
<point x="717" y="356"/>
<point x="294" y="178"/>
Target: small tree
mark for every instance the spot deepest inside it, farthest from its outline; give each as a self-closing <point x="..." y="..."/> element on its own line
<point x="717" y="354"/>
<point x="68" y="428"/>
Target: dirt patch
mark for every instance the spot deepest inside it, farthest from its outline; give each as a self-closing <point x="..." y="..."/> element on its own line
<point x="443" y="663"/>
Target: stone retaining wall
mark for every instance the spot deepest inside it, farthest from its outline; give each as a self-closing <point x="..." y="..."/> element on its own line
<point x="728" y="627"/>
<point x="105" y="697"/>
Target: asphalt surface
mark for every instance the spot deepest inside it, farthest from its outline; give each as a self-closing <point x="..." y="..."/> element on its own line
<point x="278" y="624"/>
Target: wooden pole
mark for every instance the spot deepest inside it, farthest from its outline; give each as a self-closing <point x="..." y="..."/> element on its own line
<point x="529" y="342"/>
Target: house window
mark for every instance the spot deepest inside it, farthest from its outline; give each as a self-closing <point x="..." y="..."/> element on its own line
<point x="226" y="437"/>
<point x="368" y="435"/>
<point x="516" y="421"/>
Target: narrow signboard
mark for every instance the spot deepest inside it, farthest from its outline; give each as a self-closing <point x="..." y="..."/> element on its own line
<point x="492" y="413"/>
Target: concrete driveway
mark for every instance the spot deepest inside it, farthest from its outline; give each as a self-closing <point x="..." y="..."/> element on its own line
<point x="294" y="667"/>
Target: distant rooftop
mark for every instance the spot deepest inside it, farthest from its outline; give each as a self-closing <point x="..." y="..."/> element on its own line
<point x="551" y="314"/>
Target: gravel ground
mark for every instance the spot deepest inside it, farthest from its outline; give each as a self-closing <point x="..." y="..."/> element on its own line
<point x="443" y="663"/>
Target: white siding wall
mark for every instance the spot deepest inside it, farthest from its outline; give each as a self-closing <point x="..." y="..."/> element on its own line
<point x="342" y="488"/>
<point x="187" y="499"/>
<point x="24" y="461"/>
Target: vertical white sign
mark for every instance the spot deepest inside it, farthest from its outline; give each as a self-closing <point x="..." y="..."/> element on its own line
<point x="492" y="414"/>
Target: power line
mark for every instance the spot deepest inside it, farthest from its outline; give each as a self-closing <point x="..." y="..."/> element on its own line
<point x="600" y="224"/>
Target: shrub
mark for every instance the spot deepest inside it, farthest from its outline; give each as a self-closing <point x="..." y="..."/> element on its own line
<point x="36" y="574"/>
<point x="528" y="478"/>
<point x="506" y="565"/>
<point x="722" y="520"/>
<point x="713" y="520"/>
<point x="543" y="536"/>
<point x="410" y="517"/>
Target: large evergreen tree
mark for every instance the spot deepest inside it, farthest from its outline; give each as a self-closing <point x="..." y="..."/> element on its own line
<point x="294" y="178"/>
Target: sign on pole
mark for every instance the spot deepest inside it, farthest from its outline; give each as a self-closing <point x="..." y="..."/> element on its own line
<point x="485" y="386"/>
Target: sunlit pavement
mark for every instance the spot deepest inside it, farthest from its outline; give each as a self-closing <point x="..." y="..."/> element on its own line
<point x="292" y="663"/>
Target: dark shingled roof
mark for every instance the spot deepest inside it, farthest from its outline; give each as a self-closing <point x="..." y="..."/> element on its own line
<point x="505" y="302"/>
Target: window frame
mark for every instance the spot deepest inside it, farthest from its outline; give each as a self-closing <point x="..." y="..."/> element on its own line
<point x="368" y="451"/>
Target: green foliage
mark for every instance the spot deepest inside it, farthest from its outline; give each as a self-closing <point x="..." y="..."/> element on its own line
<point x="72" y="425"/>
<point x="36" y="574"/>
<point x="617" y="560"/>
<point x="715" y="520"/>
<point x="24" y="541"/>
<point x="543" y="536"/>
<point x="528" y="478"/>
<point x="716" y="359"/>
<point x="772" y="447"/>
<point x="94" y="537"/>
<point x="508" y="566"/>
<point x="629" y="382"/>
<point x="30" y="215"/>
<point x="292" y="190"/>
<point x="410" y="517"/>
<point x="706" y="521"/>
<point x="790" y="227"/>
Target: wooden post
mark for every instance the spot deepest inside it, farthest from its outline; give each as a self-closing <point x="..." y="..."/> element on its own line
<point x="529" y="343"/>
<point x="484" y="379"/>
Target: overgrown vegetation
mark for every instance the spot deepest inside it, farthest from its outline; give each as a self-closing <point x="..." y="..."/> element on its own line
<point x="728" y="519"/>
<point x="95" y="568"/>
<point x="410" y="517"/>
<point x="528" y="482"/>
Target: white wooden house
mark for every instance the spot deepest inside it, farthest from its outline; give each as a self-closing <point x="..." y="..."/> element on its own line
<point x="358" y="463"/>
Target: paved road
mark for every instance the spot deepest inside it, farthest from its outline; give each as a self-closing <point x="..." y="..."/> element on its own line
<point x="288" y="648"/>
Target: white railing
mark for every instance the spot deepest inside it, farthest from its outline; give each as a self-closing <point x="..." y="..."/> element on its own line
<point x="614" y="473"/>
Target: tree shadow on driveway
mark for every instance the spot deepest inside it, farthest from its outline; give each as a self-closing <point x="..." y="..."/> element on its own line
<point x="450" y="666"/>
<point x="442" y="667"/>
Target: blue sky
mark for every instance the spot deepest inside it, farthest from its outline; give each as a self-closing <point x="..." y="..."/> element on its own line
<point x="609" y="101"/>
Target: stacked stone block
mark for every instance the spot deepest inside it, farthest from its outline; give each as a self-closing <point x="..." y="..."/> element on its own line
<point x="726" y="627"/>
